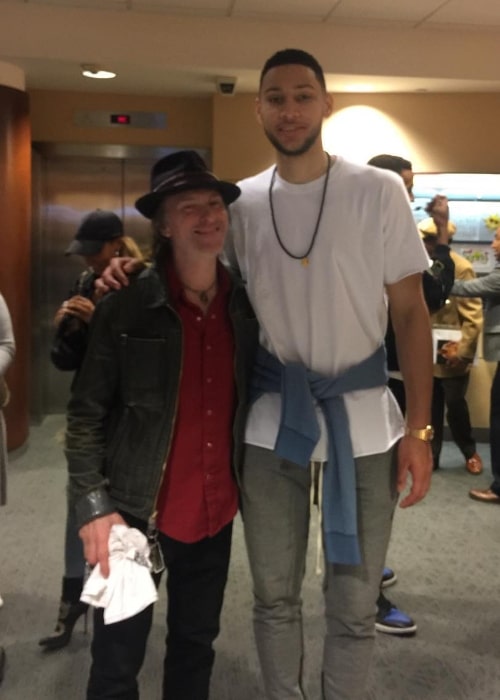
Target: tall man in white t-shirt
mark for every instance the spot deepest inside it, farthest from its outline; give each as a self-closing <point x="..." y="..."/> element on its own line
<point x="322" y="245"/>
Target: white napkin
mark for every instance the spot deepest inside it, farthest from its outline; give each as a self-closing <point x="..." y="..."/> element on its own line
<point x="129" y="587"/>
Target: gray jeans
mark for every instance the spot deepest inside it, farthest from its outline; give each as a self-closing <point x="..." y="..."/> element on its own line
<point x="275" y="508"/>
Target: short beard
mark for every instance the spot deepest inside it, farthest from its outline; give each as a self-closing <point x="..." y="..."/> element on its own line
<point x="308" y="143"/>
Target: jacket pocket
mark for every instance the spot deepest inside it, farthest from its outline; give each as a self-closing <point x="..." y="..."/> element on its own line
<point x="143" y="371"/>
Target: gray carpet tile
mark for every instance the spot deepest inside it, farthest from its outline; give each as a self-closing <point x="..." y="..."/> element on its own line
<point x="445" y="550"/>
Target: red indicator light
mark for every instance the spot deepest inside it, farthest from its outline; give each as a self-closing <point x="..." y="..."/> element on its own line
<point x="122" y="119"/>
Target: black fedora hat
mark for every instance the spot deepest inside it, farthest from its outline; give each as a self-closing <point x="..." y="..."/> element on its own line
<point x="96" y="229"/>
<point x="180" y="171"/>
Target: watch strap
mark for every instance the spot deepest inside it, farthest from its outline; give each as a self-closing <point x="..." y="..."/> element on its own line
<point x="426" y="434"/>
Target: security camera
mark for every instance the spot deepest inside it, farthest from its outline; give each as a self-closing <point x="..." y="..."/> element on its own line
<point x="225" y="85"/>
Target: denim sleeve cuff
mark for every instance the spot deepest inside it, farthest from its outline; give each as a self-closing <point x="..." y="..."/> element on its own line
<point x="93" y="505"/>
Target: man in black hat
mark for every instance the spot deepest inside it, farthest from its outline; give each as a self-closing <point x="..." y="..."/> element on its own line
<point x="155" y="426"/>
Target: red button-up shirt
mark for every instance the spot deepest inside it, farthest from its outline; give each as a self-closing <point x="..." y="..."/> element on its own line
<point x="198" y="496"/>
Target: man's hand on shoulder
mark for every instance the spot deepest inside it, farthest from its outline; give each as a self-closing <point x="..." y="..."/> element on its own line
<point x="115" y="276"/>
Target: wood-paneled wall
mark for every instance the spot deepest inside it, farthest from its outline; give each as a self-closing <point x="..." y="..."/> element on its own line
<point x="15" y="261"/>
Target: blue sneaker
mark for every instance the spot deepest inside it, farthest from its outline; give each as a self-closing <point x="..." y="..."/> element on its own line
<point x="391" y="620"/>
<point x="389" y="577"/>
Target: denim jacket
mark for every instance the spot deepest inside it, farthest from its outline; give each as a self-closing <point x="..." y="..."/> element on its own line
<point x="122" y="409"/>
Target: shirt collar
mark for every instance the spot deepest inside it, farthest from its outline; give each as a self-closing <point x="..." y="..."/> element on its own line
<point x="176" y="290"/>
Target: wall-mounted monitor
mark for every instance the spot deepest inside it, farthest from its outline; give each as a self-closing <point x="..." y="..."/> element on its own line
<point x="474" y="200"/>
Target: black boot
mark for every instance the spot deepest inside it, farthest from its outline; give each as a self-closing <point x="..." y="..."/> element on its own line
<point x="70" y="609"/>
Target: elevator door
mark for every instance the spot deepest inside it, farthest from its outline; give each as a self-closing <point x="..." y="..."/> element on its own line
<point x="68" y="189"/>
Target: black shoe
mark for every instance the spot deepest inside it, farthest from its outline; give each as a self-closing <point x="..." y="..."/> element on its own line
<point x="2" y="663"/>
<point x="70" y="610"/>
<point x="391" y="620"/>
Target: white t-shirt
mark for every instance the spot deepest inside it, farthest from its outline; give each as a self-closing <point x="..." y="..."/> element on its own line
<point x="331" y="314"/>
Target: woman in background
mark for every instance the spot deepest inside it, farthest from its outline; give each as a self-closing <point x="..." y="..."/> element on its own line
<point x="7" y="352"/>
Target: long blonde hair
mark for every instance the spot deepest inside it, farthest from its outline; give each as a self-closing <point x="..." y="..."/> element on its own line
<point x="129" y="248"/>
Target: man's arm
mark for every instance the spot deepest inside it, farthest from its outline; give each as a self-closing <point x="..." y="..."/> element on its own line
<point x="89" y="408"/>
<point x="410" y="319"/>
<point x="438" y="281"/>
<point x="470" y="313"/>
<point x="484" y="287"/>
<point x="7" y="342"/>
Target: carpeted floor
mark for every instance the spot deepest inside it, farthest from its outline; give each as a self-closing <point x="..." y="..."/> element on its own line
<point x="446" y="552"/>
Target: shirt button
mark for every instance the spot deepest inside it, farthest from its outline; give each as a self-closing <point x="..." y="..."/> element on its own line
<point x="198" y="318"/>
<point x="209" y="380"/>
<point x="213" y="317"/>
<point x="210" y="445"/>
<point x="209" y="412"/>
<point x="209" y="347"/>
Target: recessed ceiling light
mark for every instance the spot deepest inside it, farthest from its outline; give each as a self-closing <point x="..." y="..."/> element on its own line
<point x="95" y="72"/>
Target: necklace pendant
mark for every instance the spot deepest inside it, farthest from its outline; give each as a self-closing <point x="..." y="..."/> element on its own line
<point x="203" y="296"/>
<point x="304" y="262"/>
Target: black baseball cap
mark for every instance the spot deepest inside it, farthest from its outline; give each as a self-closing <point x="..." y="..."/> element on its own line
<point x="94" y="231"/>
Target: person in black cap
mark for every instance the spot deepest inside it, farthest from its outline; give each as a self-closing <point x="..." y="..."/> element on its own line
<point x="96" y="231"/>
<point x="98" y="239"/>
<point x="155" y="426"/>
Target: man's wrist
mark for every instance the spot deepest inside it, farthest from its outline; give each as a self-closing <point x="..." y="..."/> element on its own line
<point x="425" y="433"/>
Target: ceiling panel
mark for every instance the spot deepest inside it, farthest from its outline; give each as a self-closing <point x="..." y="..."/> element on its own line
<point x="315" y="10"/>
<point x="476" y="13"/>
<point x="210" y="8"/>
<point x="484" y="13"/>
<point x="228" y="43"/>
<point x="90" y="4"/>
<point x="388" y="10"/>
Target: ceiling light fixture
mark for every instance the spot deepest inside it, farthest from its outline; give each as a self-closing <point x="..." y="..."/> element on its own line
<point x="93" y="71"/>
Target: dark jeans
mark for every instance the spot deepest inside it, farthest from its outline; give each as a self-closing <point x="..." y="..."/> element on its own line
<point x="495" y="430"/>
<point x="450" y="392"/>
<point x="197" y="575"/>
